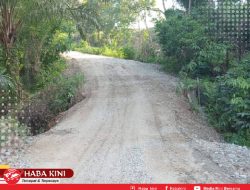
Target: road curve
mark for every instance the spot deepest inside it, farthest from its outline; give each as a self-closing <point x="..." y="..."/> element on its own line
<point x="131" y="128"/>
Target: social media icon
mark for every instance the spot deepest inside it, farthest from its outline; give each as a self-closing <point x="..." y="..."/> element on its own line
<point x="197" y="188"/>
<point x="132" y="187"/>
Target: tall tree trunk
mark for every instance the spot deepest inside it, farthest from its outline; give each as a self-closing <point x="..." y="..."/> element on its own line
<point x="189" y="6"/>
<point x="146" y="25"/>
<point x="164" y="6"/>
<point x="82" y="34"/>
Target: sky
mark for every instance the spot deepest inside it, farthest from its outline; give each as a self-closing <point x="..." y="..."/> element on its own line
<point x="141" y="24"/>
<point x="169" y="3"/>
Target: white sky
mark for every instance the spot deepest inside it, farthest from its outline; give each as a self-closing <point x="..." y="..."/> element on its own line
<point x="168" y="3"/>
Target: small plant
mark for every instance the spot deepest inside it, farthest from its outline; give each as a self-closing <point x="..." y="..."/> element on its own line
<point x="66" y="89"/>
<point x="228" y="103"/>
<point x="50" y="73"/>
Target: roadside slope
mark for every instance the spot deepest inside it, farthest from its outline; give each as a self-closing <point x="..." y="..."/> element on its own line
<point x="133" y="128"/>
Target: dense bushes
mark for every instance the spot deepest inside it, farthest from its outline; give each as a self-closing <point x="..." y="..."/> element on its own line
<point x="49" y="72"/>
<point x="140" y="45"/>
<point x="128" y="52"/>
<point x="144" y="54"/>
<point x="228" y="103"/>
<point x="66" y="89"/>
<point x="58" y="96"/>
<point x="180" y="37"/>
<point x="210" y="61"/>
<point x="31" y="66"/>
<point x="209" y="70"/>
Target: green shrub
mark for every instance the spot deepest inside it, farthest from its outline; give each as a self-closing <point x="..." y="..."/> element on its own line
<point x="188" y="48"/>
<point x="170" y="65"/>
<point x="67" y="88"/>
<point x="57" y="43"/>
<point x="49" y="73"/>
<point x="208" y="74"/>
<point x="58" y="96"/>
<point x="129" y="52"/>
<point x="180" y="37"/>
<point x="107" y="51"/>
<point x="228" y="103"/>
<point x="84" y="47"/>
<point x="147" y="52"/>
<point x="210" y="61"/>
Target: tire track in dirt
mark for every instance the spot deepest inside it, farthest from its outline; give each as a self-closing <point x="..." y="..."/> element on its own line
<point x="131" y="128"/>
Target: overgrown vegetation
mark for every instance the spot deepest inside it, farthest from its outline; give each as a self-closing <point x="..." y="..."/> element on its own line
<point x="58" y="96"/>
<point x="145" y="49"/>
<point x="228" y="103"/>
<point x="209" y="68"/>
<point x="32" y="36"/>
<point x="114" y="35"/>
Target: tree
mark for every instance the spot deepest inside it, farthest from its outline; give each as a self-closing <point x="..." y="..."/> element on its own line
<point x="25" y="28"/>
<point x="164" y="5"/>
<point x="86" y="15"/>
<point x="116" y="17"/>
<point x="9" y="27"/>
<point x="188" y="4"/>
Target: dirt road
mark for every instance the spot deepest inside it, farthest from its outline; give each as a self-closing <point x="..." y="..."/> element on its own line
<point x="133" y="128"/>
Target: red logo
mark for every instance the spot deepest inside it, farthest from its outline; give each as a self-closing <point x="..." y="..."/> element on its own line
<point x="12" y="176"/>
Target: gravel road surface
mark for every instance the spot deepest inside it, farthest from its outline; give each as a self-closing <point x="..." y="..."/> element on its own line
<point x="132" y="127"/>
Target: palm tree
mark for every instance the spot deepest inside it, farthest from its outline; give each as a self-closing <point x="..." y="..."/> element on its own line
<point x="8" y="25"/>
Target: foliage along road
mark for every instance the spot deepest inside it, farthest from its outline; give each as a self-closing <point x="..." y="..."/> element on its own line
<point x="133" y="128"/>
